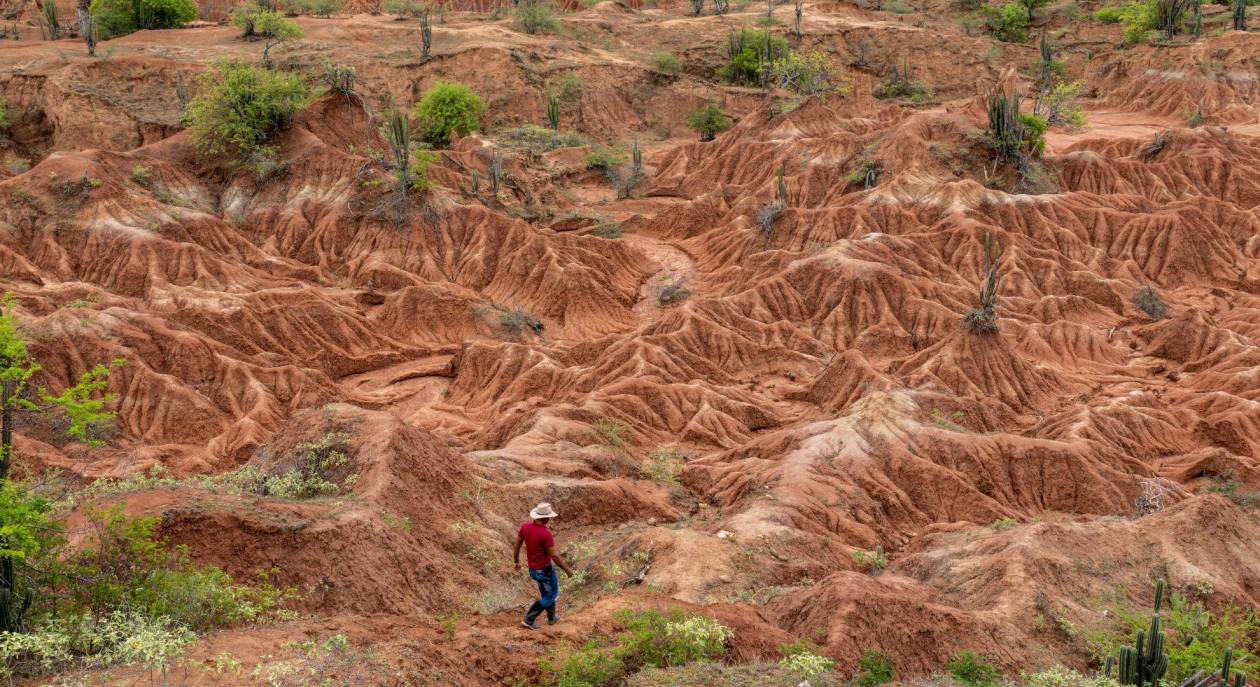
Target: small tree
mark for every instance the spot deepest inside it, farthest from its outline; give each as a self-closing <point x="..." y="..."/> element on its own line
<point x="448" y="108"/>
<point x="84" y="403"/>
<point x="87" y="27"/>
<point x="1030" y="5"/>
<point x="1240" y="15"/>
<point x="709" y="121"/>
<point x="16" y="369"/>
<point x="274" y="29"/>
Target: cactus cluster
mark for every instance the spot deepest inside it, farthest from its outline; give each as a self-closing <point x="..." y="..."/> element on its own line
<point x="13" y="607"/>
<point x="1145" y="663"/>
<point x="1006" y="129"/>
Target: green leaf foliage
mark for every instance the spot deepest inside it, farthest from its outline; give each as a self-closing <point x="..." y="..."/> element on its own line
<point x="448" y="108"/>
<point x="120" y="17"/>
<point x="241" y="107"/>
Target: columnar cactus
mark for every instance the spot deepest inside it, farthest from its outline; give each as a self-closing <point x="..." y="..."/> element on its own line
<point x="1145" y="663"/>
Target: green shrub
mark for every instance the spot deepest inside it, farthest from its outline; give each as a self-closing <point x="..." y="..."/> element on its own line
<point x="540" y="139"/>
<point x="607" y="230"/>
<point x="874" y="669"/>
<point x="664" y="64"/>
<point x="1140" y="20"/>
<point x="1060" y="676"/>
<point x="535" y="17"/>
<point x="241" y="107"/>
<point x="973" y="670"/>
<point x="871" y="562"/>
<point x="4" y="115"/>
<point x="405" y="8"/>
<point x="605" y="159"/>
<point x="83" y="404"/>
<point x="318" y="8"/>
<point x="1061" y="107"/>
<point x="898" y="84"/>
<point x="807" y="664"/>
<point x="1034" y="133"/>
<point x="141" y="175"/>
<point x="448" y="108"/>
<point x="709" y="121"/>
<point x="1109" y="15"/>
<point x="115" y="18"/>
<point x="810" y="73"/>
<point x="648" y="638"/>
<point x="1007" y="23"/>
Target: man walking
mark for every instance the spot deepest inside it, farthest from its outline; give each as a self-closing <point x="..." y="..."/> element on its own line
<point x="540" y="553"/>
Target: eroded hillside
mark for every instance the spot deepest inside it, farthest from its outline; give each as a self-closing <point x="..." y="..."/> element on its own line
<point x="731" y="414"/>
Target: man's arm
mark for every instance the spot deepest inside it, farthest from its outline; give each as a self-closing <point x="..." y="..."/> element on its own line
<point x="516" y="553"/>
<point x="555" y="558"/>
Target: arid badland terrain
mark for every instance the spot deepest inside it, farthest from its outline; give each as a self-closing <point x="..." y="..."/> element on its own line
<point x="738" y="369"/>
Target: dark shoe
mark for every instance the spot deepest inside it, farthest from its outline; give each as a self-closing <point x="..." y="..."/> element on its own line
<point x="528" y="625"/>
<point x="553" y="621"/>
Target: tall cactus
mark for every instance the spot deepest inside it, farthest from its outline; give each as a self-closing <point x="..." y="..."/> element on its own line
<point x="426" y="36"/>
<point x="1145" y="663"/>
<point x="782" y="188"/>
<point x="553" y="117"/>
<point x="1240" y="15"/>
<point x="13" y="607"/>
<point x="636" y="159"/>
<point x="397" y="132"/>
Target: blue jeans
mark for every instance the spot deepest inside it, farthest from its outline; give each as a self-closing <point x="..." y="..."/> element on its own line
<point x="548" y="590"/>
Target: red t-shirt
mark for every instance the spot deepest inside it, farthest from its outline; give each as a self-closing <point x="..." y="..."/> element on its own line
<point x="537" y="538"/>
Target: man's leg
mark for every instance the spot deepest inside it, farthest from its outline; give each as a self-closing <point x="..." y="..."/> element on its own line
<point x="540" y="577"/>
<point x="555" y="594"/>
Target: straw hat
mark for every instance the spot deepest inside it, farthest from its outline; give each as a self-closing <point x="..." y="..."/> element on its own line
<point x="542" y="511"/>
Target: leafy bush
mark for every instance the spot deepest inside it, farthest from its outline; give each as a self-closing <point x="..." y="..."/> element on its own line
<point x="1109" y="15"/>
<point x="1202" y="636"/>
<point x="664" y="64"/>
<point x="84" y="403"/>
<point x="1140" y="19"/>
<point x="318" y="8"/>
<point x="607" y="230"/>
<point x="871" y="562"/>
<point x="4" y="115"/>
<point x="535" y="17"/>
<point x="241" y="107"/>
<point x="1007" y="23"/>
<point x="539" y="139"/>
<point x="123" y="596"/>
<point x="809" y="73"/>
<point x="807" y="664"/>
<point x="1034" y="133"/>
<point x="115" y="18"/>
<point x="973" y="670"/>
<point x="874" y="669"/>
<point x="1061" y="107"/>
<point x="604" y="159"/>
<point x="648" y="638"/>
<point x="709" y="121"/>
<point x="448" y="108"/>
<point x="1060" y="676"/>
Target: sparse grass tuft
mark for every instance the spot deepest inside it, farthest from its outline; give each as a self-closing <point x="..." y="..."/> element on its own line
<point x="1148" y="301"/>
